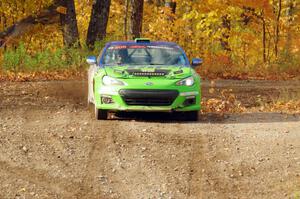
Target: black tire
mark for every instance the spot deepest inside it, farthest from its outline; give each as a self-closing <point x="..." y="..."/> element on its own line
<point x="192" y="116"/>
<point x="101" y="114"/>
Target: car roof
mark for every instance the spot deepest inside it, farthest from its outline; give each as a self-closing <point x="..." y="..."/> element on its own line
<point x="153" y="43"/>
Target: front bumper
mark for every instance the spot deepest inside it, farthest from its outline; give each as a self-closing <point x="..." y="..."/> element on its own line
<point x="183" y="101"/>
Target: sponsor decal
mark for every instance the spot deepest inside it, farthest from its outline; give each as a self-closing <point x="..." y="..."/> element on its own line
<point x="137" y="47"/>
<point x="161" y="47"/>
<point x="127" y="47"/>
<point x="141" y="47"/>
<point x="117" y="47"/>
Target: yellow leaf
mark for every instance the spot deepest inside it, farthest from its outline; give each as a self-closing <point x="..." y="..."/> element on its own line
<point x="61" y="10"/>
<point x="211" y="90"/>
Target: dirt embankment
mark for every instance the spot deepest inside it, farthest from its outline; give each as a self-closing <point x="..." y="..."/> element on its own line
<point x="51" y="147"/>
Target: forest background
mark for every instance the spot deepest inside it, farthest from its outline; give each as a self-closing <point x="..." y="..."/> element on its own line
<point x="238" y="39"/>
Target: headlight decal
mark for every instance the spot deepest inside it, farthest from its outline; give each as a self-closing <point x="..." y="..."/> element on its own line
<point x="110" y="81"/>
<point x="186" y="82"/>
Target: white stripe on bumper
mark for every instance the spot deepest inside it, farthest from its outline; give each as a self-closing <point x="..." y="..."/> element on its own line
<point x="189" y="93"/>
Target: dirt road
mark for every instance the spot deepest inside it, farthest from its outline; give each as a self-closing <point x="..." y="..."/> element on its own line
<point x="51" y="147"/>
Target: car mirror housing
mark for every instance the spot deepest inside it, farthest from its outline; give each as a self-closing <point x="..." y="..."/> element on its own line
<point x="197" y="62"/>
<point x="91" y="60"/>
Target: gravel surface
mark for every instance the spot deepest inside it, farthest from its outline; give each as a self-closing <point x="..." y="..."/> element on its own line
<point x="52" y="147"/>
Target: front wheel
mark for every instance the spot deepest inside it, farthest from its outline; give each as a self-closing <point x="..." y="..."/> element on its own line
<point x="101" y="114"/>
<point x="192" y="115"/>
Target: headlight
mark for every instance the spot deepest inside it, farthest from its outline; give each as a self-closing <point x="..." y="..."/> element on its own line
<point x="186" y="82"/>
<point x="109" y="81"/>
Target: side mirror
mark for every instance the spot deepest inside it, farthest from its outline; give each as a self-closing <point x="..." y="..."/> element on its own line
<point x="197" y="62"/>
<point x="91" y="60"/>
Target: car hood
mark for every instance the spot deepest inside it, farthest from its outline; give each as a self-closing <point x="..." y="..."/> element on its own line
<point x="172" y="72"/>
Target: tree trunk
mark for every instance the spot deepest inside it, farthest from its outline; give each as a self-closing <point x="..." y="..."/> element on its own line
<point x="289" y="15"/>
<point x="172" y="5"/>
<point x="137" y="7"/>
<point x="98" y="22"/>
<point x="69" y="24"/>
<point x="126" y="19"/>
<point x="264" y="39"/>
<point x="47" y="16"/>
<point x="226" y="25"/>
<point x="277" y="28"/>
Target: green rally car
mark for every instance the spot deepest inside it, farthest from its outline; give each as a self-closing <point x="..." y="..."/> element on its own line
<point x="142" y="75"/>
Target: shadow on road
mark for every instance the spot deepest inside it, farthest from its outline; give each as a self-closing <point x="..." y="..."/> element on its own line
<point x="254" y="117"/>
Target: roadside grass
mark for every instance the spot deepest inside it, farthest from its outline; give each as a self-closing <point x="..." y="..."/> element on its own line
<point x="18" y="65"/>
<point x="18" y="62"/>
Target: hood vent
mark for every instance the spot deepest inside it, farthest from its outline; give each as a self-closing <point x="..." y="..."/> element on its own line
<point x="156" y="73"/>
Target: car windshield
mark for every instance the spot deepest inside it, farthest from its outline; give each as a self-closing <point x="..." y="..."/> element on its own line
<point x="144" y="55"/>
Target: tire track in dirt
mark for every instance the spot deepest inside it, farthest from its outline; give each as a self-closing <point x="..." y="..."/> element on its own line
<point x="186" y="137"/>
<point x="215" y="151"/>
<point x="35" y="172"/>
<point x="195" y="164"/>
<point x="123" y="142"/>
<point x="41" y="178"/>
<point x="85" y="189"/>
<point x="51" y="143"/>
<point x="167" y="172"/>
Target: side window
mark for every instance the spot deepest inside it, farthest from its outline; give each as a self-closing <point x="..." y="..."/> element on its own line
<point x="109" y="57"/>
<point x="99" y="57"/>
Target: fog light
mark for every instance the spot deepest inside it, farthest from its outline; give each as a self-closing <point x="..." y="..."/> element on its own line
<point x="107" y="100"/>
<point x="191" y="100"/>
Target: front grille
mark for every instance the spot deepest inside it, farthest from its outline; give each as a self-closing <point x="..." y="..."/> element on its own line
<point x="149" y="97"/>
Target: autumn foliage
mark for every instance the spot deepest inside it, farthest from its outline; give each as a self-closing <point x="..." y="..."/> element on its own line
<point x="238" y="39"/>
